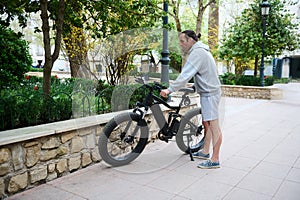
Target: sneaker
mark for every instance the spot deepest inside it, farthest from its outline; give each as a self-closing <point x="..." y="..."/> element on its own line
<point x="197" y="146"/>
<point x="200" y="155"/>
<point x="208" y="164"/>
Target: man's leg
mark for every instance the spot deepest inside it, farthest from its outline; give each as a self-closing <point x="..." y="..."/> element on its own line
<point x="216" y="139"/>
<point x="207" y="139"/>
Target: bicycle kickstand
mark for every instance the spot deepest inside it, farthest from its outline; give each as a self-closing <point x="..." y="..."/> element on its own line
<point x="191" y="155"/>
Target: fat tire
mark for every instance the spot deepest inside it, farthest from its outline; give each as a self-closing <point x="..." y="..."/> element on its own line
<point x="109" y="128"/>
<point x="184" y="121"/>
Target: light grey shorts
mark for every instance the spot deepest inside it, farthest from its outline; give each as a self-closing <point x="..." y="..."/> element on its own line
<point x="210" y="107"/>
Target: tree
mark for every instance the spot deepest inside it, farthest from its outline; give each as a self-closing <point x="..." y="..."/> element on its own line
<point x="100" y="17"/>
<point x="57" y="15"/>
<point x="213" y="26"/>
<point x="15" y="57"/>
<point x="122" y="36"/>
<point x="242" y="40"/>
<point x="117" y="51"/>
<point x="52" y="16"/>
<point x="88" y="22"/>
<point x="200" y="8"/>
<point x="191" y="18"/>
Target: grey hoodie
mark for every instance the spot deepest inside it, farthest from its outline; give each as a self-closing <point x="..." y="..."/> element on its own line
<point x="200" y="65"/>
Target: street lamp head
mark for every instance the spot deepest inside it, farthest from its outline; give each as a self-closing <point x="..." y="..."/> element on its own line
<point x="265" y="8"/>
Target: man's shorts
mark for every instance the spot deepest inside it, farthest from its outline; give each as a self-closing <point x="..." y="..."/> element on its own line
<point x="210" y="107"/>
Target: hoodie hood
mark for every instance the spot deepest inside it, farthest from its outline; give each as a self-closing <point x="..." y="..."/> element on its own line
<point x="199" y="45"/>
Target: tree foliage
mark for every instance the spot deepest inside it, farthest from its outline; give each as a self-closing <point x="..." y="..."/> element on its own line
<point x="102" y="18"/>
<point x="96" y="24"/>
<point x="242" y="41"/>
<point x="117" y="51"/>
<point x="15" y="57"/>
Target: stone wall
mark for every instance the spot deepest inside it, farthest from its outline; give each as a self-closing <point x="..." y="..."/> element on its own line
<point x="251" y="92"/>
<point x="28" y="163"/>
<point x="35" y="155"/>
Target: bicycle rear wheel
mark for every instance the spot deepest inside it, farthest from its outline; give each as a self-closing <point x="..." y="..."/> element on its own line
<point x="191" y="131"/>
<point x="123" y="139"/>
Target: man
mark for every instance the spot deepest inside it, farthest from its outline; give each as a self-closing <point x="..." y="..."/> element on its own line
<point x="200" y="64"/>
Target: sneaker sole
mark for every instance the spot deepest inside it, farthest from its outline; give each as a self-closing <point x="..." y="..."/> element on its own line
<point x="212" y="167"/>
<point x="200" y="157"/>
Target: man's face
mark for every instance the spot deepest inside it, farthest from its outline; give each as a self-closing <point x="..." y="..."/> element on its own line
<point x="185" y="42"/>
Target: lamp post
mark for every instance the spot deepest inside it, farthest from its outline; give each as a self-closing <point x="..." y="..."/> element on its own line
<point x="165" y="52"/>
<point x="265" y="7"/>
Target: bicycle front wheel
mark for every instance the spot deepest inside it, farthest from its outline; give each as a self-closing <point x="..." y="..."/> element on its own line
<point x="123" y="139"/>
<point x="191" y="131"/>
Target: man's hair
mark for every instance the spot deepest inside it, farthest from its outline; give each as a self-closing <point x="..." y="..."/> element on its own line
<point x="191" y="34"/>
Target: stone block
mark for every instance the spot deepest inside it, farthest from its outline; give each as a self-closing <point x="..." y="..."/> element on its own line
<point x="17" y="157"/>
<point x="51" y="167"/>
<point x="32" y="143"/>
<point x="51" y="143"/>
<point x="18" y="182"/>
<point x="4" y="168"/>
<point x="38" y="174"/>
<point x="62" y="150"/>
<point x="32" y="155"/>
<point x="76" y="144"/>
<point x="85" y="131"/>
<point x="86" y="159"/>
<point x="95" y="155"/>
<point x="4" y="155"/>
<point x="61" y="166"/>
<point x="90" y="141"/>
<point x="48" y="154"/>
<point x="74" y="163"/>
<point x="51" y="176"/>
<point x="67" y="136"/>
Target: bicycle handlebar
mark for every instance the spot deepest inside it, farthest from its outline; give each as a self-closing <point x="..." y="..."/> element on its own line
<point x="156" y="86"/>
<point x="159" y="87"/>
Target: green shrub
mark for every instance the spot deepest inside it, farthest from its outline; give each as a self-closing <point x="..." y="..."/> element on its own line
<point x="232" y="79"/>
<point x="248" y="80"/>
<point x="15" y="58"/>
<point x="228" y="78"/>
<point x="32" y="69"/>
<point x="269" y="80"/>
<point x="25" y="105"/>
<point x="282" y="80"/>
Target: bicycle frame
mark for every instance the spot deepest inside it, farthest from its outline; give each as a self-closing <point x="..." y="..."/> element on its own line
<point x="167" y="128"/>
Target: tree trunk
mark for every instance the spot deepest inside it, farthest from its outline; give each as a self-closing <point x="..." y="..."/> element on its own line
<point x="77" y="52"/>
<point x="213" y="26"/>
<point x="49" y="59"/>
<point x="175" y="15"/>
<point x="201" y="10"/>
<point x="47" y="47"/>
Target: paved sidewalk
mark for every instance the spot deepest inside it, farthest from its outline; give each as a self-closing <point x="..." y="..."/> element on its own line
<point x="260" y="159"/>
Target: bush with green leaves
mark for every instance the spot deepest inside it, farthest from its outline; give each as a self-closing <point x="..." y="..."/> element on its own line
<point x="232" y="79"/>
<point x="228" y="78"/>
<point x="26" y="105"/>
<point x="15" y="58"/>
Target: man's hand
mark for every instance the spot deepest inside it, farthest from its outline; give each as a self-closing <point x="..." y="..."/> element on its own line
<point x="164" y="93"/>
